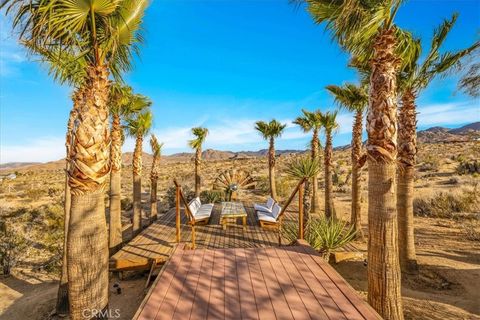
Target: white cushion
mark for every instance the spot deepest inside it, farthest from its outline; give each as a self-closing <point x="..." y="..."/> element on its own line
<point x="204" y="212"/>
<point x="270" y="203"/>
<point x="265" y="216"/>
<point x="276" y="210"/>
<point x="260" y="207"/>
<point x="194" y="205"/>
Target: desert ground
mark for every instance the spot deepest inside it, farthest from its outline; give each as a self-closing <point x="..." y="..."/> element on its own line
<point x="447" y="228"/>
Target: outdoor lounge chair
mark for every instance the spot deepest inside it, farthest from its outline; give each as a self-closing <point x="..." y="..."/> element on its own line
<point x="269" y="219"/>
<point x="265" y="207"/>
<point x="200" y="212"/>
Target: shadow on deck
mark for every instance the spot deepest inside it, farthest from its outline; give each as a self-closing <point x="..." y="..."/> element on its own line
<point x="157" y="241"/>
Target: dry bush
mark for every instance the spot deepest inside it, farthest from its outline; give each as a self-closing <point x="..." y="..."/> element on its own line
<point x="471" y="231"/>
<point x="446" y="205"/>
<point x="34" y="193"/>
<point x="469" y="167"/>
<point x="169" y="199"/>
<point x="12" y="244"/>
<point x="429" y="163"/>
<point x="126" y="204"/>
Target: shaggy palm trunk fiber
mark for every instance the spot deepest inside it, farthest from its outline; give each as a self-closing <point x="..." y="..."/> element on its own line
<point x="198" y="160"/>
<point x="271" y="169"/>
<point x="115" y="222"/>
<point x="384" y="283"/>
<point x="407" y="152"/>
<point x="62" y="294"/>
<point x="137" y="186"/>
<point x="314" y="147"/>
<point x="356" y="213"/>
<point x="87" y="238"/>
<point x="329" y="207"/>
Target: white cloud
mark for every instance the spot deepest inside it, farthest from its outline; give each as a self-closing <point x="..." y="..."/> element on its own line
<point x="12" y="55"/>
<point x="454" y="113"/>
<point x="38" y="150"/>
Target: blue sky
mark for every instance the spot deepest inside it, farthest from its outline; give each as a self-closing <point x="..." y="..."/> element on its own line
<point x="224" y="65"/>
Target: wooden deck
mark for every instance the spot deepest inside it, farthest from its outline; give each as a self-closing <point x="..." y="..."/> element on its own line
<point x="156" y="242"/>
<point x="288" y="282"/>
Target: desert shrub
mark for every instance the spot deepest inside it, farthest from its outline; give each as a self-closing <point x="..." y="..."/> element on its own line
<point x="263" y="184"/>
<point x="54" y="192"/>
<point x="126" y="204"/>
<point x="171" y="193"/>
<point x="430" y="163"/>
<point x="211" y="196"/>
<point x="12" y="245"/>
<point x="469" y="167"/>
<point x="34" y="193"/>
<point x="446" y="205"/>
<point x="324" y="235"/>
<point x="284" y="186"/>
<point x="471" y="231"/>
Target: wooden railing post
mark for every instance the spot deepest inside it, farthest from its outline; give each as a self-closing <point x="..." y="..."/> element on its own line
<point x="300" y="212"/>
<point x="177" y="212"/>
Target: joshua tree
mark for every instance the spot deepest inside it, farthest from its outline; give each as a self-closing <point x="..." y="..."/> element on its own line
<point x="305" y="167"/>
<point x="157" y="152"/>
<point x="354" y="99"/>
<point x="416" y="76"/>
<point x="103" y="32"/>
<point x="367" y="30"/>
<point x="270" y="131"/>
<point x="138" y="126"/>
<point x="311" y="121"/>
<point x="200" y="136"/>
<point x="329" y="123"/>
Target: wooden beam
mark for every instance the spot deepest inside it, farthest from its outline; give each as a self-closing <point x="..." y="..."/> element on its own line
<point x="300" y="212"/>
<point x="177" y="212"/>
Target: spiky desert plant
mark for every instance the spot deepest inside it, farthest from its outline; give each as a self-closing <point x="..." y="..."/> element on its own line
<point x="311" y="121"/>
<point x="138" y="126"/>
<point x="196" y="144"/>
<point x="154" y="173"/>
<point x="354" y="99"/>
<point x="415" y="76"/>
<point x="270" y="131"/>
<point x="105" y="32"/>
<point x="330" y="125"/>
<point x="300" y="168"/>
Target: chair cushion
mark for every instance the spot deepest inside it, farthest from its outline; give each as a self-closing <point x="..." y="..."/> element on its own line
<point x="204" y="212"/>
<point x="260" y="207"/>
<point x="265" y="216"/>
<point x="276" y="210"/>
<point x="194" y="205"/>
<point x="270" y="203"/>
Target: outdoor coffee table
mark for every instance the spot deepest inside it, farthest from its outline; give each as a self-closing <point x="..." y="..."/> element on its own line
<point x="231" y="211"/>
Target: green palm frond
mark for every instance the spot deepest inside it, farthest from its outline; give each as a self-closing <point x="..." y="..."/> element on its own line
<point x="272" y="129"/>
<point x="200" y="136"/>
<point x="329" y="121"/>
<point x="309" y="121"/>
<point x="140" y="123"/>
<point x="156" y="146"/>
<point x="350" y="97"/>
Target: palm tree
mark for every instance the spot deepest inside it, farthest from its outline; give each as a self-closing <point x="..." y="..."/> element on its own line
<point x="270" y="131"/>
<point x="105" y="33"/>
<point x="304" y="167"/>
<point x="415" y="77"/>
<point x="157" y="152"/>
<point x="367" y="30"/>
<point x="200" y="136"/>
<point x="138" y="126"/>
<point x="330" y="125"/>
<point x="354" y="99"/>
<point x="311" y="121"/>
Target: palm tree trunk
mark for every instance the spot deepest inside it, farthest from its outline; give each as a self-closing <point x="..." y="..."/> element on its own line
<point x="62" y="294"/>
<point x="314" y="147"/>
<point x="115" y="222"/>
<point x="198" y="160"/>
<point x="329" y="207"/>
<point x="87" y="239"/>
<point x="384" y="281"/>
<point x="271" y="169"/>
<point x="137" y="186"/>
<point x="356" y="216"/>
<point x="407" y="151"/>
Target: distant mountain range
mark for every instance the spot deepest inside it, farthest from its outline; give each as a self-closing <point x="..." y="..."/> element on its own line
<point x="432" y="135"/>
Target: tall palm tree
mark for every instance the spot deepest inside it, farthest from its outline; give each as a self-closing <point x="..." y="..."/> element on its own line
<point x="305" y="167"/>
<point x="157" y="152"/>
<point x="330" y="125"/>
<point x="106" y="33"/>
<point x="270" y="131"/>
<point x="415" y="76"/>
<point x="138" y="127"/>
<point x="311" y="121"/>
<point x="200" y="136"/>
<point x="354" y="99"/>
<point x="367" y="30"/>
